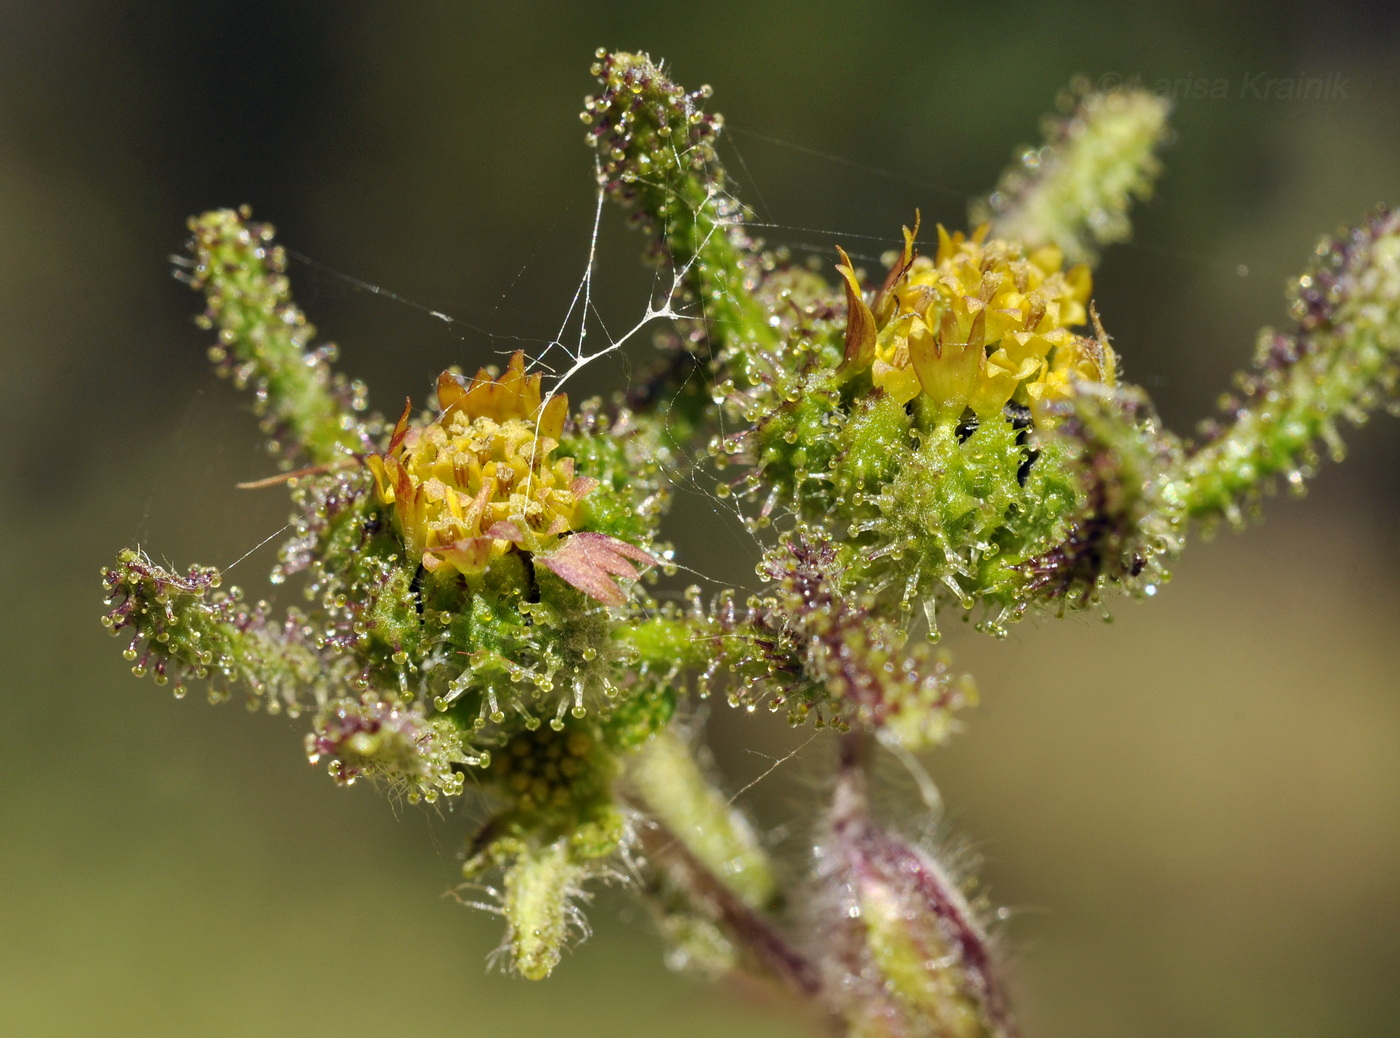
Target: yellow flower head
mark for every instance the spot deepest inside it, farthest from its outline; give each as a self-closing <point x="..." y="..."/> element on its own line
<point x="976" y="326"/>
<point x="478" y="481"/>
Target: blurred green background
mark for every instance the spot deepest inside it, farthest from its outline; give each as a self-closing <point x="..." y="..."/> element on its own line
<point x="1192" y="812"/>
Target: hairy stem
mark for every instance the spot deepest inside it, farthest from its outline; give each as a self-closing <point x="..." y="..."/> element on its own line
<point x="263" y="342"/>
<point x="762" y="948"/>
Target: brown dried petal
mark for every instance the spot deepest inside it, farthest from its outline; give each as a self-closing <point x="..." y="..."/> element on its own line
<point x="860" y="322"/>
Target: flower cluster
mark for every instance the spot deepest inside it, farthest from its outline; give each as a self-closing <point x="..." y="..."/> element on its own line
<point x="952" y="439"/>
<point x="976" y="326"/>
<point x="478" y="480"/>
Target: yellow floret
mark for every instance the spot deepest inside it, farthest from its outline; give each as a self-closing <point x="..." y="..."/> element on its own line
<point x="478" y="480"/>
<point x="978" y="325"/>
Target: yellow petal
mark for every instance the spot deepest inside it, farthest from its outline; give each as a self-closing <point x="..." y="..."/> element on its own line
<point x="947" y="245"/>
<point x="1049" y="258"/>
<point x="1080" y="282"/>
<point x="1001" y="375"/>
<point x="946" y="365"/>
<point x="449" y="391"/>
<point x="900" y="383"/>
<point x="551" y="420"/>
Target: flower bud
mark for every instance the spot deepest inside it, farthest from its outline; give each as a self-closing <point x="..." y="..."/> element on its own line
<point x="904" y="955"/>
<point x="540" y="888"/>
<point x="386" y="740"/>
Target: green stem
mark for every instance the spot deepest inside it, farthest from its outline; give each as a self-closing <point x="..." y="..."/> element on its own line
<point x="762" y="948"/>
